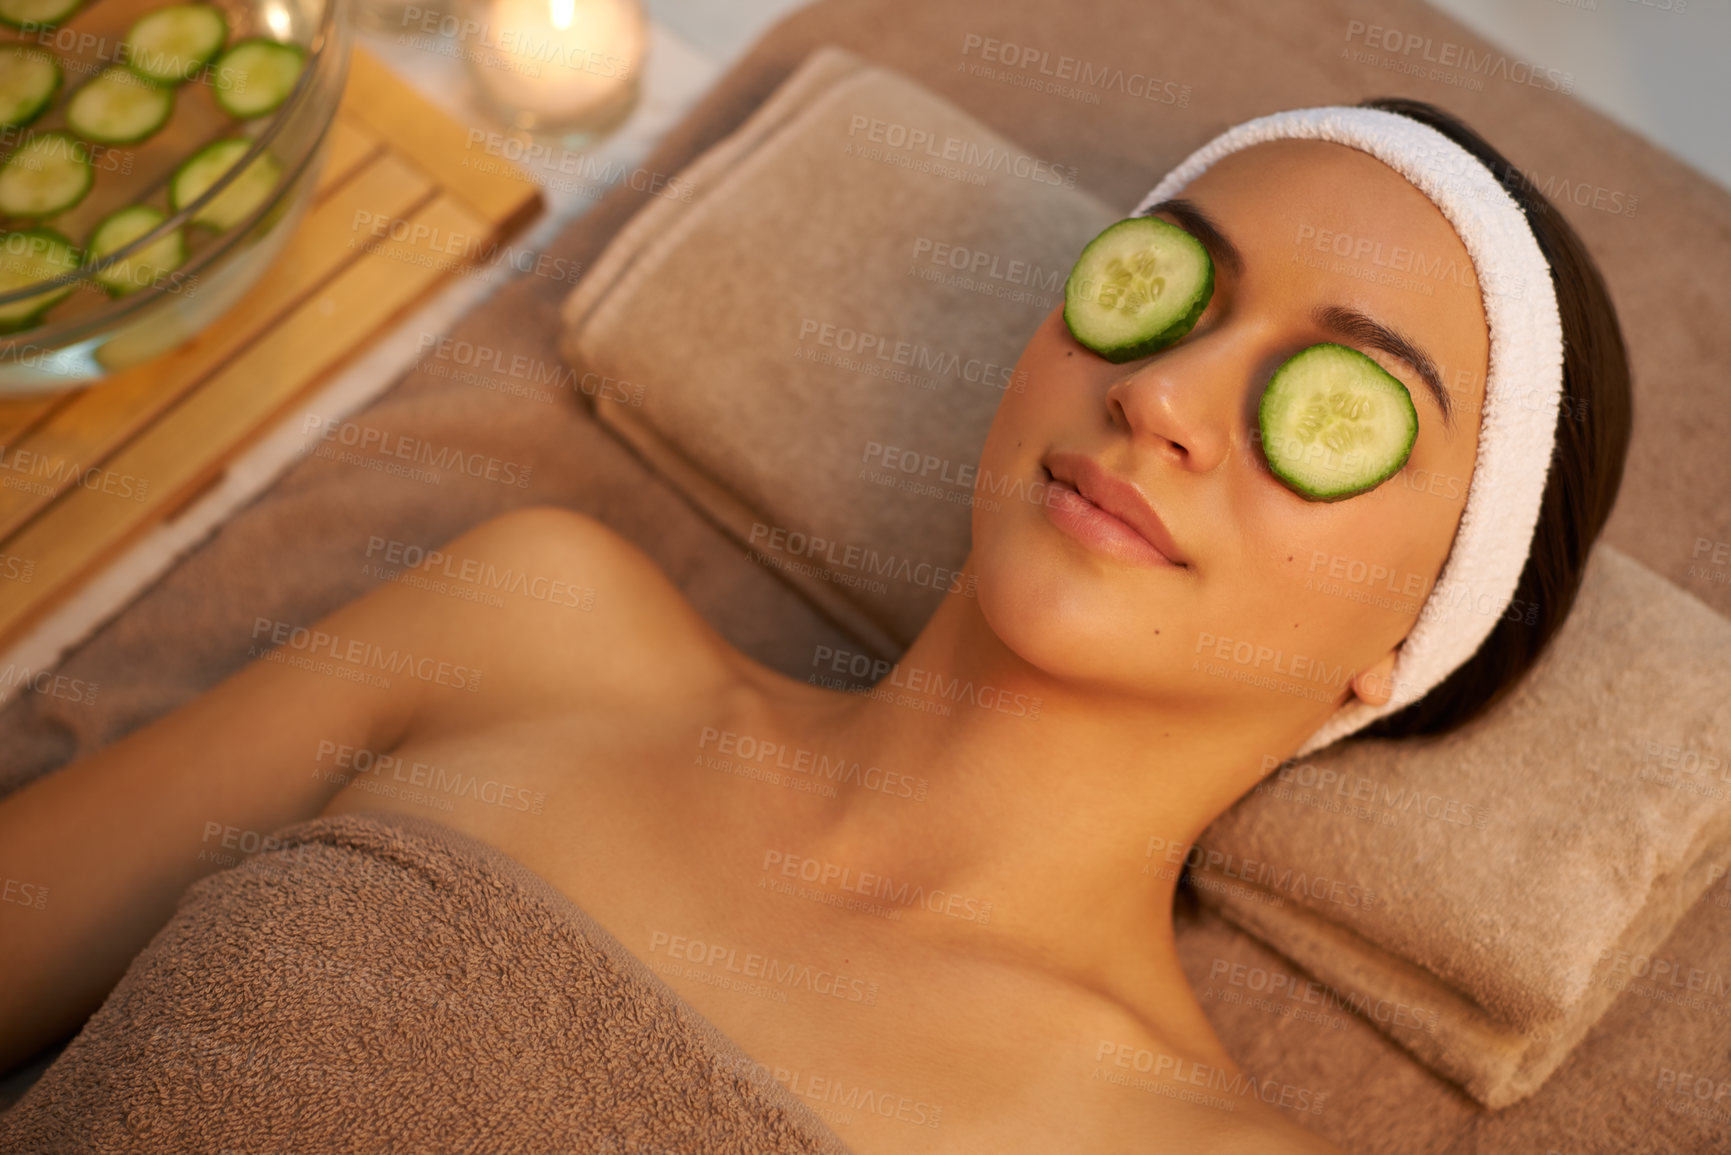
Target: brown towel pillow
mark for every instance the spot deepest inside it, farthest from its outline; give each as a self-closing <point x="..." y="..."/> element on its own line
<point x="1487" y="894"/>
<point x="821" y="335"/>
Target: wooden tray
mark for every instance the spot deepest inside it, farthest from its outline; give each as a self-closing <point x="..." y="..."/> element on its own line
<point x="161" y="433"/>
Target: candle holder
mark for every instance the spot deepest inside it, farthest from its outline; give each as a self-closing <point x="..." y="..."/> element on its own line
<point x="567" y="69"/>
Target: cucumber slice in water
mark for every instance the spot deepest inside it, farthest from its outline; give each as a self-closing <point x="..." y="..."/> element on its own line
<point x="29" y="82"/>
<point x="141" y="269"/>
<point x="26" y="257"/>
<point x="1335" y="423"/>
<point x="117" y="106"/>
<point x="47" y="174"/>
<point x="171" y="44"/>
<point x="206" y="166"/>
<point x="1137" y="287"/>
<point x="26" y="13"/>
<point x="256" y="75"/>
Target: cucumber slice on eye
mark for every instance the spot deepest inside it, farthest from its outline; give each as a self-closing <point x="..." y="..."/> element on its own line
<point x="1334" y="423"/>
<point x="26" y="13"/>
<point x="171" y="44"/>
<point x="256" y="75"/>
<point x="143" y="268"/>
<point x="48" y="174"/>
<point x="1137" y="287"/>
<point x="26" y="257"/>
<point x="29" y="82"/>
<point x="206" y="166"/>
<point x="117" y="106"/>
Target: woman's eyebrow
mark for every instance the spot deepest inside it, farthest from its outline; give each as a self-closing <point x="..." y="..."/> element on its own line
<point x="1340" y="320"/>
<point x="1195" y="222"/>
<point x="1366" y="330"/>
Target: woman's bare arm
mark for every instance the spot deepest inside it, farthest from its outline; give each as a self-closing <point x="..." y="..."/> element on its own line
<point x="95" y="856"/>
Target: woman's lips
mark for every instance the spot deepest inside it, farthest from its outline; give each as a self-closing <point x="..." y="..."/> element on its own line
<point x="1094" y="527"/>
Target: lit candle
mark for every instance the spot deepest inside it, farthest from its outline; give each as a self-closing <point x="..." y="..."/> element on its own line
<point x="561" y="65"/>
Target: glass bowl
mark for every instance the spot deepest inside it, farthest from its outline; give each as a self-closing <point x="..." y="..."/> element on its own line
<point x="91" y="334"/>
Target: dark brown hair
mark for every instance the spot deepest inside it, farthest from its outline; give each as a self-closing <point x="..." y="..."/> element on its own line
<point x="1593" y="425"/>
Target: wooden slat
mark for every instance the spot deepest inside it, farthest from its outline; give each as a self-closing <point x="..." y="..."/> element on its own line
<point x="93" y="422"/>
<point x="351" y="144"/>
<point x="90" y="526"/>
<point x="20" y="413"/>
<point x="422" y="131"/>
<point x="166" y="430"/>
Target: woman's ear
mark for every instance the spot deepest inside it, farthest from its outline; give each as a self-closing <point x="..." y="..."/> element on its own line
<point x="1374" y="684"/>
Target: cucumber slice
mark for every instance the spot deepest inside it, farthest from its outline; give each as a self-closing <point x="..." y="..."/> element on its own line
<point x="118" y="106"/>
<point x="256" y="75"/>
<point x="206" y="166"/>
<point x="29" y="82"/>
<point x="29" y="13"/>
<point x="48" y="174"/>
<point x="143" y="268"/>
<point x="1137" y="287"/>
<point x="1335" y="423"/>
<point x="26" y="257"/>
<point x="171" y="44"/>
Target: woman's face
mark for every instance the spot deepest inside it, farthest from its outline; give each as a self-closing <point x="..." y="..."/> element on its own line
<point x="1279" y="600"/>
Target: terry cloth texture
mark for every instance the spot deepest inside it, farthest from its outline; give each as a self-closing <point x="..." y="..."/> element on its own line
<point x="384" y="983"/>
<point x="1507" y="882"/>
<point x="865" y="340"/>
<point x="1162" y="79"/>
<point x="1523" y="388"/>
<point x="807" y="445"/>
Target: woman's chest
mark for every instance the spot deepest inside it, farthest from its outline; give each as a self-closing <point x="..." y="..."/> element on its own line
<point x="895" y="1045"/>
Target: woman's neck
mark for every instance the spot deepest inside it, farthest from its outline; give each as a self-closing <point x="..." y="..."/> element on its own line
<point x="1062" y="806"/>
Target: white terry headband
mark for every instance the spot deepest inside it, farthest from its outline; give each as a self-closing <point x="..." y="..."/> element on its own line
<point x="1522" y="390"/>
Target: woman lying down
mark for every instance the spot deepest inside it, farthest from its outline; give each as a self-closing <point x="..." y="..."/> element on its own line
<point x="515" y="909"/>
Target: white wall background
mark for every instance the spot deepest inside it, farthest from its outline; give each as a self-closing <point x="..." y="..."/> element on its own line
<point x="1662" y="72"/>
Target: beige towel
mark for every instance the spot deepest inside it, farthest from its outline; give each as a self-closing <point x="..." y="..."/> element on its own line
<point x="1486" y="895"/>
<point x="384" y="983"/>
<point x="822" y="334"/>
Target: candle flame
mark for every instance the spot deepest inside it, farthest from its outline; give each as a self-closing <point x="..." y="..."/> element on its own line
<point x="561" y="12"/>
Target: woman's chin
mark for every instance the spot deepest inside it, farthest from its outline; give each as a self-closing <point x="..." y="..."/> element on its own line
<point x="1060" y="618"/>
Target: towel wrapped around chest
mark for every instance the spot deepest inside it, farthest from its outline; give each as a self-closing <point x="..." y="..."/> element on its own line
<point x="382" y="982"/>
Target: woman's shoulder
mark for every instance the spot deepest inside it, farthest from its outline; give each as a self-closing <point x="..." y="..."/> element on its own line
<point x="556" y="603"/>
<point x="1278" y="1136"/>
<point x="1173" y="1078"/>
<point x="1238" y="1128"/>
<point x="1253" y="1128"/>
<point x="576" y="651"/>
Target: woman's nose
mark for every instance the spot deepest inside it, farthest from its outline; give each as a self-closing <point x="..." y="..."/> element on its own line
<point x="1185" y="400"/>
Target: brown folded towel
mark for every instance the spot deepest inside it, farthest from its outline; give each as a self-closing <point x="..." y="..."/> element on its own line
<point x="824" y="331"/>
<point x="384" y="983"/>
<point x="1484" y="896"/>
